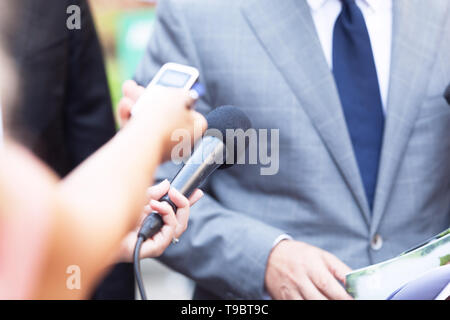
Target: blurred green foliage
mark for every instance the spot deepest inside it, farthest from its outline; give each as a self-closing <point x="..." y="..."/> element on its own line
<point x="124" y="35"/>
<point x="445" y="260"/>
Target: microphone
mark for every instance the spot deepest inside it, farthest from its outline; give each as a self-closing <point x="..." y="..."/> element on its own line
<point x="212" y="153"/>
<point x="447" y="94"/>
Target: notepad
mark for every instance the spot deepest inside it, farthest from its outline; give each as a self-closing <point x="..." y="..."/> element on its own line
<point x="380" y="280"/>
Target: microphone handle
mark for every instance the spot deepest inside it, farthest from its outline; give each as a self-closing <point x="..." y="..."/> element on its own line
<point x="204" y="161"/>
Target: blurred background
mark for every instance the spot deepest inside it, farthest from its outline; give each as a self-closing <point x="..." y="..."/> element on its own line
<point x="124" y="27"/>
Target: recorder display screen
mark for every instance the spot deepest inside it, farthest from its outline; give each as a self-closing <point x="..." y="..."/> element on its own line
<point x="172" y="78"/>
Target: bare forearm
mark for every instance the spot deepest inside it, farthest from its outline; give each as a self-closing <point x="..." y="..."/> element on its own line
<point x="112" y="183"/>
<point x="99" y="203"/>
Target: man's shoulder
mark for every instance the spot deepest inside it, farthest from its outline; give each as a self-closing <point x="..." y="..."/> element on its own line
<point x="202" y="15"/>
<point x="187" y="6"/>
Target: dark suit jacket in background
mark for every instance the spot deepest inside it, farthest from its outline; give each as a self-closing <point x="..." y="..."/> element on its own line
<point x="64" y="109"/>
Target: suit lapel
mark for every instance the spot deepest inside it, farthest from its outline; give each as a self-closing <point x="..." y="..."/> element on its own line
<point x="286" y="30"/>
<point x="415" y="39"/>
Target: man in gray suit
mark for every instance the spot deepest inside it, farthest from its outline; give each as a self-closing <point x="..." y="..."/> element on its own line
<point x="364" y="167"/>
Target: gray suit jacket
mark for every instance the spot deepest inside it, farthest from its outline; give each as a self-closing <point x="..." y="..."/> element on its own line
<point x="264" y="56"/>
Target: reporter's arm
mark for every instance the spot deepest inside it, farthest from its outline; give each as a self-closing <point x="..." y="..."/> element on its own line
<point x="26" y="189"/>
<point x="101" y="201"/>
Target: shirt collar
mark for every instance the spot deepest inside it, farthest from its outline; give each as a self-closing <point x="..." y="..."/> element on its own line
<point x="374" y="5"/>
<point x="316" y="4"/>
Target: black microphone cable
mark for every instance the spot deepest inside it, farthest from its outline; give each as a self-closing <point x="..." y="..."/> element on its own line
<point x="151" y="226"/>
<point x="137" y="267"/>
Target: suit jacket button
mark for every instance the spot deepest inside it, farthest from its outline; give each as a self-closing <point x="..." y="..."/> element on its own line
<point x="377" y="242"/>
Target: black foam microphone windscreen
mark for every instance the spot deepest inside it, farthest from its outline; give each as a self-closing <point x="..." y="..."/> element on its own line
<point x="228" y="120"/>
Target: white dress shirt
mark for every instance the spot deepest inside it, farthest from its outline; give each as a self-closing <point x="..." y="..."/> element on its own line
<point x="378" y="17"/>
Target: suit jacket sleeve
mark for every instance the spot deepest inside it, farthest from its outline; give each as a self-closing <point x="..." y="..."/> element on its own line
<point x="88" y="113"/>
<point x="224" y="251"/>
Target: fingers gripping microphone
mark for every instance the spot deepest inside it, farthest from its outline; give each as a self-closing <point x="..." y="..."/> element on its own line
<point x="447" y="94"/>
<point x="211" y="154"/>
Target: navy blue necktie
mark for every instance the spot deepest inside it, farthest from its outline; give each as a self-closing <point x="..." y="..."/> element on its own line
<point x="357" y="83"/>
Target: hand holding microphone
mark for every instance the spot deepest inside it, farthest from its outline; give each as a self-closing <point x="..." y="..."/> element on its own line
<point x="174" y="224"/>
